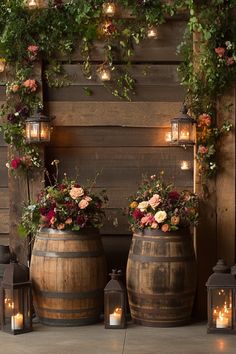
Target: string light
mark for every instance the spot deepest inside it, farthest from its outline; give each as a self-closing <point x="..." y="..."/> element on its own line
<point x="109" y="9"/>
<point x="185" y="165"/>
<point x="152" y="32"/>
<point x="104" y="73"/>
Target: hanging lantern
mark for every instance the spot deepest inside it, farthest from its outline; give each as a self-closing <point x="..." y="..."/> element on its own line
<point x="183" y="129"/>
<point x="2" y="65"/>
<point x="115" y="302"/>
<point x="104" y="73"/>
<point x="38" y="128"/>
<point x="16" y="299"/>
<point x="35" y="4"/>
<point x="221" y="290"/>
<point x="109" y="9"/>
<point x="152" y="32"/>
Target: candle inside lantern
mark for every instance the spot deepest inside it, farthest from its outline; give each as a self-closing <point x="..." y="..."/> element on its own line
<point x="17" y="321"/>
<point x="168" y="137"/>
<point x="104" y="74"/>
<point x="32" y="4"/>
<point x="152" y="32"/>
<point x="184" y="135"/>
<point x="109" y="9"/>
<point x="184" y="165"/>
<point x="222" y="321"/>
<point x="115" y="317"/>
<point x="2" y="64"/>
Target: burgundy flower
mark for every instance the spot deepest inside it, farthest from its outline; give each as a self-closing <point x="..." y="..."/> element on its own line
<point x="12" y="118"/>
<point x="15" y="163"/>
<point x="50" y="214"/>
<point x="43" y="210"/>
<point x="81" y="220"/>
<point x="137" y="214"/>
<point x="173" y="195"/>
<point x="22" y="110"/>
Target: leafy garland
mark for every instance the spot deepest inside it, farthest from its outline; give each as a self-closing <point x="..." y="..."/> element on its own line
<point x="30" y="35"/>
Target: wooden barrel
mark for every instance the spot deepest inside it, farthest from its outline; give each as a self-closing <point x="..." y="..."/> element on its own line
<point x="68" y="273"/>
<point x="161" y="278"/>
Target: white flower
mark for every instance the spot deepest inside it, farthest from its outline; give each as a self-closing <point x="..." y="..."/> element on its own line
<point x="7" y="165"/>
<point x="160" y="216"/>
<point x="143" y="206"/>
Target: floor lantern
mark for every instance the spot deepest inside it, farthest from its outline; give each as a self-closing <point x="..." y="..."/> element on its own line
<point x="183" y="129"/>
<point x="115" y="302"/>
<point x="16" y="299"/>
<point x="38" y="128"/>
<point x="221" y="287"/>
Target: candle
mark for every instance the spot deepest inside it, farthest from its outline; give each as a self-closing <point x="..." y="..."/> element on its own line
<point x="168" y="137"/>
<point x="104" y="74"/>
<point x="109" y="9"/>
<point x="222" y="321"/>
<point x="184" y="165"/>
<point x="152" y="32"/>
<point x="115" y="317"/>
<point x="17" y="321"/>
<point x="184" y="135"/>
<point x="32" y="4"/>
<point x="2" y="64"/>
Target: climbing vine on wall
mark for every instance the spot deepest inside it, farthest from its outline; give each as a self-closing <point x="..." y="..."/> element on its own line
<point x="29" y="35"/>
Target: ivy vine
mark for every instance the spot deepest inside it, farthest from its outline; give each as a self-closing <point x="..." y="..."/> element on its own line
<point x="56" y="30"/>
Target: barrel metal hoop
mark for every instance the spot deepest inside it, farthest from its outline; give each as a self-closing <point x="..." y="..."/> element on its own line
<point x="63" y="311"/>
<point x="144" y="259"/>
<point x="67" y="254"/>
<point x="72" y="296"/>
<point x="69" y="238"/>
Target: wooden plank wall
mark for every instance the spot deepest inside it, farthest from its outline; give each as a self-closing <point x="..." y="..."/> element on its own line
<point x="4" y="195"/>
<point x="120" y="139"/>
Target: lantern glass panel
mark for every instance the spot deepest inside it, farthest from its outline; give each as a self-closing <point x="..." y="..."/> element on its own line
<point x="221" y="308"/>
<point x="32" y="131"/>
<point x="115" y="309"/>
<point x="174" y="132"/>
<point x="44" y="132"/>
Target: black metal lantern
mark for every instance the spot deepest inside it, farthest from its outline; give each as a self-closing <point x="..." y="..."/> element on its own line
<point x="221" y="287"/>
<point x="115" y="302"/>
<point x="183" y="129"/>
<point x="38" y="128"/>
<point x="16" y="299"/>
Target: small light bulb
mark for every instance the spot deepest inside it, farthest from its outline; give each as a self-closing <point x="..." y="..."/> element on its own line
<point x="104" y="73"/>
<point x="185" y="165"/>
<point x="109" y="9"/>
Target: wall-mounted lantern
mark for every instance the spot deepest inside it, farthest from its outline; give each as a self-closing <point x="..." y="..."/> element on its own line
<point x="221" y="290"/>
<point x="38" y="128"/>
<point x="115" y="302"/>
<point x="109" y="9"/>
<point x="16" y="299"/>
<point x="183" y="129"/>
<point x="2" y="64"/>
<point x="152" y="32"/>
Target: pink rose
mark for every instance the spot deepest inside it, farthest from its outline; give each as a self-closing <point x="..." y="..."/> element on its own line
<point x="15" y="163"/>
<point x="88" y="198"/>
<point x="33" y="49"/>
<point x="31" y="85"/>
<point x="83" y="204"/>
<point x="202" y="149"/>
<point x="76" y="192"/>
<point x="230" y="61"/>
<point x="204" y="119"/>
<point x="147" y="220"/>
<point x="154" y="201"/>
<point x="165" y="228"/>
<point x="220" y="51"/>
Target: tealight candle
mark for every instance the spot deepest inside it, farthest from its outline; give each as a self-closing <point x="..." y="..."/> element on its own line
<point x="222" y="321"/>
<point x="184" y="135"/>
<point x="152" y="32"/>
<point x="109" y="9"/>
<point x="184" y="165"/>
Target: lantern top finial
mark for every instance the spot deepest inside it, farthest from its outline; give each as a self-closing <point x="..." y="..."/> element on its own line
<point x="115" y="274"/>
<point x="221" y="267"/>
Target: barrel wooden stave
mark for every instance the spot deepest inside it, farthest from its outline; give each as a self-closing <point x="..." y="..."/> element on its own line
<point x="68" y="273"/>
<point x="161" y="279"/>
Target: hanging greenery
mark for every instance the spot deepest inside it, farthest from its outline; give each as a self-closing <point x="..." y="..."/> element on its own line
<point x="56" y="28"/>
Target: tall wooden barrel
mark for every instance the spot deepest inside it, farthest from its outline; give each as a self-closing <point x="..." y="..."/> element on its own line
<point x="161" y="278"/>
<point x="68" y="272"/>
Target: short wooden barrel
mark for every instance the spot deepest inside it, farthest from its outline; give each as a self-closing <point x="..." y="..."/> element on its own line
<point x="161" y="278"/>
<point x="68" y="273"/>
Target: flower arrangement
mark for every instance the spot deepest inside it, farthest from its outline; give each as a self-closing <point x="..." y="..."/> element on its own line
<point x="158" y="205"/>
<point x="64" y="206"/>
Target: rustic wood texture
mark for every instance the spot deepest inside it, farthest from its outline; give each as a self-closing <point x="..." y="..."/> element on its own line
<point x="161" y="49"/>
<point x="153" y="83"/>
<point x="225" y="182"/>
<point x="68" y="272"/>
<point x="128" y="114"/>
<point x="121" y="156"/>
<point x="161" y="278"/>
<point x="4" y="195"/>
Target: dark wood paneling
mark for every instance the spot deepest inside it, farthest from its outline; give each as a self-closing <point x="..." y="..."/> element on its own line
<point x="3" y="169"/>
<point x="2" y="93"/>
<point x="108" y="136"/>
<point x="2" y="142"/>
<point x="131" y="114"/>
<point x="4" y="198"/>
<point x="4" y="239"/>
<point x="149" y="50"/>
<point x="4" y="221"/>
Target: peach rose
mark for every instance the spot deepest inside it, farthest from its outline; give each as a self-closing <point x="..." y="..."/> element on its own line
<point x="83" y="204"/>
<point x="175" y="220"/>
<point x="76" y="192"/>
<point x="154" y="225"/>
<point x="165" y="228"/>
<point x="61" y="226"/>
<point x="68" y="221"/>
<point x="220" y="51"/>
<point x="30" y="84"/>
<point x="15" y="88"/>
<point x="154" y="201"/>
<point x="88" y="198"/>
